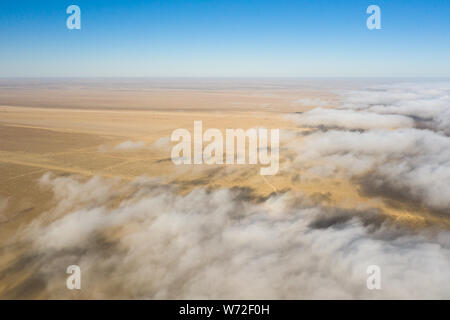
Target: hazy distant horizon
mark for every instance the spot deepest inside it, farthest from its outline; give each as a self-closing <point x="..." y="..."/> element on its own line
<point x="215" y="82"/>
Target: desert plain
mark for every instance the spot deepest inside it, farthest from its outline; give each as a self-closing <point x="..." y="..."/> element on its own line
<point x="119" y="131"/>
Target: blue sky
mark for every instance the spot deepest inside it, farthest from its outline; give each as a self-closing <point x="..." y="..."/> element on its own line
<point x="225" y="39"/>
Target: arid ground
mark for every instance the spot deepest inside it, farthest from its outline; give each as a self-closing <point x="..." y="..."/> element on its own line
<point x="60" y="138"/>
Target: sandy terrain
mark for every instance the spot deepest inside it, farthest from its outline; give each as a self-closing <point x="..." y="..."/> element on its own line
<point x="77" y="131"/>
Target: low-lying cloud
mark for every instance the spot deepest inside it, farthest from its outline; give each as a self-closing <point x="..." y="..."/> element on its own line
<point x="403" y="148"/>
<point x="130" y="145"/>
<point x="427" y="103"/>
<point x="145" y="239"/>
<point x="315" y="102"/>
<point x="349" y="119"/>
<point x="158" y="244"/>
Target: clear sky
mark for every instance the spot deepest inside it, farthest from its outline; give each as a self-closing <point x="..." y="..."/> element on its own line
<point x="229" y="38"/>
